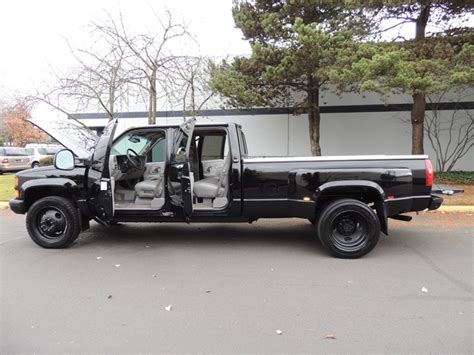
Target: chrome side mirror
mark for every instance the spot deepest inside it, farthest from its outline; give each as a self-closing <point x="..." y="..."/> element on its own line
<point x="64" y="160"/>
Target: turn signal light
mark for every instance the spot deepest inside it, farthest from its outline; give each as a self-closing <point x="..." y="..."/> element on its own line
<point x="429" y="173"/>
<point x="16" y="186"/>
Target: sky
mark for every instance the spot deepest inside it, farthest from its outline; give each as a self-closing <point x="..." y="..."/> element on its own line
<point x="34" y="34"/>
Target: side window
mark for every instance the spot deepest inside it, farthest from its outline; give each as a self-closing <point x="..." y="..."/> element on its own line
<point x="158" y="152"/>
<point x="212" y="147"/>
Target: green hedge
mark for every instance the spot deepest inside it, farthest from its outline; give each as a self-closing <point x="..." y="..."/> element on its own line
<point x="456" y="177"/>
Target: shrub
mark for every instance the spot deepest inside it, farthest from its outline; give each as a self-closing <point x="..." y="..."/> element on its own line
<point x="456" y="177"/>
<point x="47" y="161"/>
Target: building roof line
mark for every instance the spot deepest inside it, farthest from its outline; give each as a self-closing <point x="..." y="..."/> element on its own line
<point x="467" y="105"/>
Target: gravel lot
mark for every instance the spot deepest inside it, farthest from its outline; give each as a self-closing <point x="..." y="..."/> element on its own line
<point x="232" y="286"/>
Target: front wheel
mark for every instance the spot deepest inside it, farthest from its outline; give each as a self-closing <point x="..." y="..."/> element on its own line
<point x="348" y="228"/>
<point x="35" y="165"/>
<point x="53" y="222"/>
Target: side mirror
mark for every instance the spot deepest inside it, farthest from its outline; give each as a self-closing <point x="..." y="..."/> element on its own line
<point x="64" y="160"/>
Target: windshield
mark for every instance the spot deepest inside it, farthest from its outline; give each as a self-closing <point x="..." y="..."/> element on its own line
<point x="139" y="141"/>
<point x="70" y="133"/>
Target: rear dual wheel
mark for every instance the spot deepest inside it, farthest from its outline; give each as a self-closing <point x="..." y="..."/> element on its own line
<point x="348" y="228"/>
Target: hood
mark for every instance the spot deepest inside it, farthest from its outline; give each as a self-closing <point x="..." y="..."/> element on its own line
<point x="70" y="133"/>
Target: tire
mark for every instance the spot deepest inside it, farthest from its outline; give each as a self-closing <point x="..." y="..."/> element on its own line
<point x="348" y="228"/>
<point x="53" y="222"/>
<point x="35" y="164"/>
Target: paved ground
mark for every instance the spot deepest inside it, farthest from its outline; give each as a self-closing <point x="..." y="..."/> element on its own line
<point x="232" y="286"/>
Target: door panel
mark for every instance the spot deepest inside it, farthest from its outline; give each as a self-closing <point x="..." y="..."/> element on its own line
<point x="187" y="182"/>
<point x="104" y="199"/>
<point x="180" y="181"/>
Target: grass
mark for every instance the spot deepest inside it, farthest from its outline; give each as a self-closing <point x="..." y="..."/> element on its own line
<point x="6" y="187"/>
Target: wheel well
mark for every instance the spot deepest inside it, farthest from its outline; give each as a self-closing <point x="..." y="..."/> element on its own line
<point x="365" y="194"/>
<point x="33" y="194"/>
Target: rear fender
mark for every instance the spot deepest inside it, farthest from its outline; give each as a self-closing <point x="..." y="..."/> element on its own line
<point x="354" y="188"/>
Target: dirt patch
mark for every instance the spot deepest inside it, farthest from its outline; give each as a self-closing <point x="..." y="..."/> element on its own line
<point x="466" y="198"/>
<point x="437" y="220"/>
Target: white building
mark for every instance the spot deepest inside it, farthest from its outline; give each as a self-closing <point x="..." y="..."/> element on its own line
<point x="350" y="124"/>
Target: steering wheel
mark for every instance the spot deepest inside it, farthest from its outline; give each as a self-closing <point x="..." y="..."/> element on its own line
<point x="134" y="159"/>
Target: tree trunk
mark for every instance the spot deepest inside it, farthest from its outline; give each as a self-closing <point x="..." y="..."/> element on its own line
<point x="314" y="118"/>
<point x="111" y="102"/>
<point x="152" y="99"/>
<point x="417" y="124"/>
<point x="419" y="100"/>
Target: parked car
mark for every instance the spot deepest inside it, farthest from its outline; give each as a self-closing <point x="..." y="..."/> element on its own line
<point x="40" y="151"/>
<point x="202" y="173"/>
<point x="13" y="159"/>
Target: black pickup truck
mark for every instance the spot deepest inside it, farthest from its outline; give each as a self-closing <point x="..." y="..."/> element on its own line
<point x="202" y="173"/>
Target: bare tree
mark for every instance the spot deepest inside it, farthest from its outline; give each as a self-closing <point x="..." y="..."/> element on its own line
<point x="100" y="78"/>
<point x="151" y="56"/>
<point x="189" y="84"/>
<point x="451" y="135"/>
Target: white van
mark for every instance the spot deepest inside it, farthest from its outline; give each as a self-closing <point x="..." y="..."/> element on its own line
<point x="40" y="151"/>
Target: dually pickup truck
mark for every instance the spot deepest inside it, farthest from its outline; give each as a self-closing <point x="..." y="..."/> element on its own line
<point x="202" y="173"/>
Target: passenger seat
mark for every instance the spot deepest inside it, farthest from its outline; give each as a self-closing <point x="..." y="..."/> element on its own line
<point x="214" y="186"/>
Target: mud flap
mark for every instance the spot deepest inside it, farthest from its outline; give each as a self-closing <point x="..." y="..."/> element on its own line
<point x="382" y="214"/>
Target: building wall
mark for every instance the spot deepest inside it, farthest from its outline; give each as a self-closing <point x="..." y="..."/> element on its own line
<point x="341" y="134"/>
<point x="346" y="133"/>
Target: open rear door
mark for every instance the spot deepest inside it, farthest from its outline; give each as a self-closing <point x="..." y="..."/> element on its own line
<point x="104" y="193"/>
<point x="181" y="177"/>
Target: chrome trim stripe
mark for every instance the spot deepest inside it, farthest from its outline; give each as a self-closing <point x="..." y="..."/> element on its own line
<point x="335" y="158"/>
<point x="275" y="199"/>
<point x="406" y="198"/>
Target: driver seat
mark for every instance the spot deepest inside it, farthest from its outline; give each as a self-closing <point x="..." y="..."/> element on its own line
<point x="151" y="187"/>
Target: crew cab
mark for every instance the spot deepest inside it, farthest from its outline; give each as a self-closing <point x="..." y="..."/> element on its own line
<point x="201" y="172"/>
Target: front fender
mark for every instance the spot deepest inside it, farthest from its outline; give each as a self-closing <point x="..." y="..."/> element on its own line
<point x="46" y="183"/>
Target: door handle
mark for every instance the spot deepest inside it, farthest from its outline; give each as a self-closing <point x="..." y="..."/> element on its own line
<point x="236" y="160"/>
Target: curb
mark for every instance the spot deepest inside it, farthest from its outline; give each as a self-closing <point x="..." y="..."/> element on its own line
<point x="454" y="208"/>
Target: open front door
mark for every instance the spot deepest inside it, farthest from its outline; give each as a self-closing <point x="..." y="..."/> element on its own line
<point x="104" y="190"/>
<point x="181" y="178"/>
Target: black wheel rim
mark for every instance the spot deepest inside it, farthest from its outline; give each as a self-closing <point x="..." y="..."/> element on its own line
<point x="349" y="231"/>
<point x="51" y="223"/>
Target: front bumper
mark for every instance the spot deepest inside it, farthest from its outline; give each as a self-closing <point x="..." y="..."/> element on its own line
<point x="435" y="202"/>
<point x="17" y="206"/>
